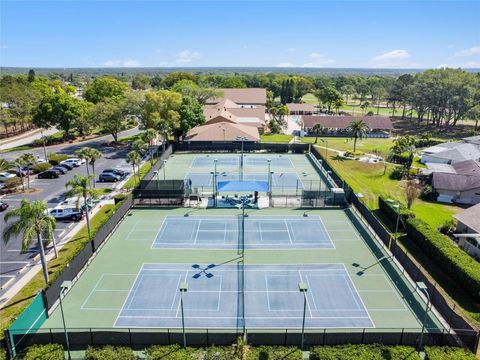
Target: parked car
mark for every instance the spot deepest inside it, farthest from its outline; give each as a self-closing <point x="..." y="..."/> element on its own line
<point x="120" y="173"/>
<point x="61" y="169"/>
<point x="108" y="177"/>
<point x="66" y="166"/>
<point x="3" y="206"/>
<point x="4" y="176"/>
<point x="66" y="213"/>
<point x="24" y="171"/>
<point x="49" y="174"/>
<point x="74" y="162"/>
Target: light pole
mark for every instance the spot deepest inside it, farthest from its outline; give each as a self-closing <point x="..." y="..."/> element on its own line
<point x="215" y="182"/>
<point x="44" y="148"/>
<point x="326" y="148"/>
<point x="158" y="177"/>
<point x="164" y="165"/>
<point x="64" y="287"/>
<point x="269" y="161"/>
<point x="396" y="206"/>
<point x="422" y="287"/>
<point x="242" y="139"/>
<point x="183" y="289"/>
<point x="303" y="288"/>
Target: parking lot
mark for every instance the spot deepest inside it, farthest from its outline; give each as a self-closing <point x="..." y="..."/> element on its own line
<point x="13" y="263"/>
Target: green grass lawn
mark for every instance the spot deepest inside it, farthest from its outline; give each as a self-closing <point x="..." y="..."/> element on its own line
<point x="369" y="180"/>
<point x="276" y="138"/>
<point x="346" y="144"/>
<point x="134" y="180"/>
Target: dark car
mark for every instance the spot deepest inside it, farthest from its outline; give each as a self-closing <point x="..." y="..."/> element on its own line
<point x="120" y="173"/>
<point x="108" y="177"/>
<point x="60" y="169"/>
<point x="49" y="174"/>
<point x="66" y="166"/>
<point x="3" y="206"/>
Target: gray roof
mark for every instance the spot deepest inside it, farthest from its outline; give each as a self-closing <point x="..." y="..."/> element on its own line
<point x="467" y="167"/>
<point x="455" y="182"/>
<point x="470" y="217"/>
<point x="455" y="151"/>
<point x="440" y="167"/>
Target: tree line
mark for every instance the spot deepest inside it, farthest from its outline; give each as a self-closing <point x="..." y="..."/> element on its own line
<point x="171" y="103"/>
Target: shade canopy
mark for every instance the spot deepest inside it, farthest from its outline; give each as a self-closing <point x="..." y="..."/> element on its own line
<point x="232" y="186"/>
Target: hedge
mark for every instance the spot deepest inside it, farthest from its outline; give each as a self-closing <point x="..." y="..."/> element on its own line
<point x="110" y="353"/>
<point x="3" y="354"/>
<point x="447" y="353"/>
<point x="44" y="352"/>
<point x="275" y="353"/>
<point x="460" y="266"/>
<point x="55" y="159"/>
<point x="391" y="213"/>
<point x="38" y="168"/>
<point x="363" y="352"/>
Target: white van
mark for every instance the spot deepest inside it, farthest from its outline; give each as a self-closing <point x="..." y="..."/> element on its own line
<point x="66" y="213"/>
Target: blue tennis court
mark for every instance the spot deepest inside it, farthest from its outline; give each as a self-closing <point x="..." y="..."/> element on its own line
<point x="225" y="232"/>
<point x="279" y="180"/>
<point x="230" y="296"/>
<point x="249" y="161"/>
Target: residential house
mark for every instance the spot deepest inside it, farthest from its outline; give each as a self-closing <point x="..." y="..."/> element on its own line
<point x="378" y="126"/>
<point x="451" y="152"/>
<point x="228" y="110"/>
<point x="301" y="109"/>
<point x="468" y="230"/>
<point x="458" y="182"/>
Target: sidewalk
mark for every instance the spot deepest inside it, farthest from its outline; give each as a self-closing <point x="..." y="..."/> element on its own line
<point x="25" y="138"/>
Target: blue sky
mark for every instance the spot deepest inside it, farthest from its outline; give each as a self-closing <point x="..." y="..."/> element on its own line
<point x="378" y="34"/>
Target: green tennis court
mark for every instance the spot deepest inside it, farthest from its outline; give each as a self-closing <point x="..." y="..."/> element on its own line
<point x="133" y="281"/>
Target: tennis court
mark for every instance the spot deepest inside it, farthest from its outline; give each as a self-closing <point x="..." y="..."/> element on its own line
<point x="259" y="232"/>
<point x="279" y="180"/>
<point x="133" y="281"/>
<point x="250" y="160"/>
<point x="225" y="296"/>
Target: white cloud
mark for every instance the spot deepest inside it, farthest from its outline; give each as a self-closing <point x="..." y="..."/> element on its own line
<point x="474" y="50"/>
<point x="186" y="56"/>
<point x="393" y="55"/>
<point x="291" y="49"/>
<point x="158" y="51"/>
<point x="318" y="60"/>
<point x="450" y="46"/>
<point x="394" y="59"/>
<point x="122" y="63"/>
<point x="285" y="64"/>
<point x="4" y="47"/>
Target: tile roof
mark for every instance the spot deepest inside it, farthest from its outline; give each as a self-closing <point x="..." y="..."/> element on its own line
<point x="222" y="131"/>
<point x="455" y="182"/>
<point x="242" y="96"/>
<point x="343" y="122"/>
<point x="301" y="107"/>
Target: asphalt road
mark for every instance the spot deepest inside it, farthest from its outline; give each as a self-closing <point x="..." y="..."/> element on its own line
<point x="12" y="260"/>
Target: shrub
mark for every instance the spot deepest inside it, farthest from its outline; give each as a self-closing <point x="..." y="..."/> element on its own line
<point x="462" y="268"/>
<point x="275" y="353"/>
<point x="44" y="352"/>
<point x="170" y="352"/>
<point x="109" y="353"/>
<point x="12" y="183"/>
<point x="447" y="353"/>
<point x="119" y="198"/>
<point x="220" y="353"/>
<point x="391" y="213"/>
<point x="3" y="354"/>
<point x="448" y="226"/>
<point x="56" y="159"/>
<point x="427" y="193"/>
<point x="347" y="352"/>
<point x="370" y="113"/>
<point x="353" y="154"/>
<point x="397" y="173"/>
<point x="400" y="353"/>
<point x="38" y="168"/>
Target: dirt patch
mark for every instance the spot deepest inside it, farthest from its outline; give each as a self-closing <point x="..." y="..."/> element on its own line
<point x="410" y="127"/>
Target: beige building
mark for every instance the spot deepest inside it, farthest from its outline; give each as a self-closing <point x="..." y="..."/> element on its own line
<point x="223" y="131"/>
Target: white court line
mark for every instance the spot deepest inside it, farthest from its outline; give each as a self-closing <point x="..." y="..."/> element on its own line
<point x="91" y="292"/>
<point x="128" y="295"/>
<point x="313" y="298"/>
<point x="175" y="293"/>
<point x="160" y="229"/>
<point x="179" y="303"/>
<point x="351" y="281"/>
<point x="196" y="233"/>
<point x="288" y="231"/>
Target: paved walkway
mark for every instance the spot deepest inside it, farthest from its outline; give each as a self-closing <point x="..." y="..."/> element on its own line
<point x="26" y="138"/>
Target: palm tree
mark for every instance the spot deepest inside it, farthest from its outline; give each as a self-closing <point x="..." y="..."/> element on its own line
<point x="33" y="222"/>
<point x="26" y="160"/>
<point x="80" y="187"/>
<point x="148" y="136"/>
<point x="133" y="158"/>
<point x="358" y="130"/>
<point x="5" y="165"/>
<point x="317" y="129"/>
<point x="83" y="154"/>
<point x="90" y="155"/>
<point x="139" y="146"/>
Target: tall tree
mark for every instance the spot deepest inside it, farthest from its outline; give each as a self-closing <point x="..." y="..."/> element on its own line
<point x="358" y="130"/>
<point x="405" y="144"/>
<point x="90" y="155"/>
<point x="103" y="88"/>
<point x="149" y="136"/>
<point x="34" y="223"/>
<point x="191" y="115"/>
<point x="80" y="187"/>
<point x="317" y="130"/>
<point x="134" y="158"/>
<point x="188" y="88"/>
<point x="27" y="159"/>
<point x="329" y="97"/>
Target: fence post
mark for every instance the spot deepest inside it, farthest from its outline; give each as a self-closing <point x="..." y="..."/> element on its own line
<point x="363" y="335"/>
<point x="91" y="337"/>
<point x="10" y="345"/>
<point x="401" y="336"/>
<point x="129" y="337"/>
